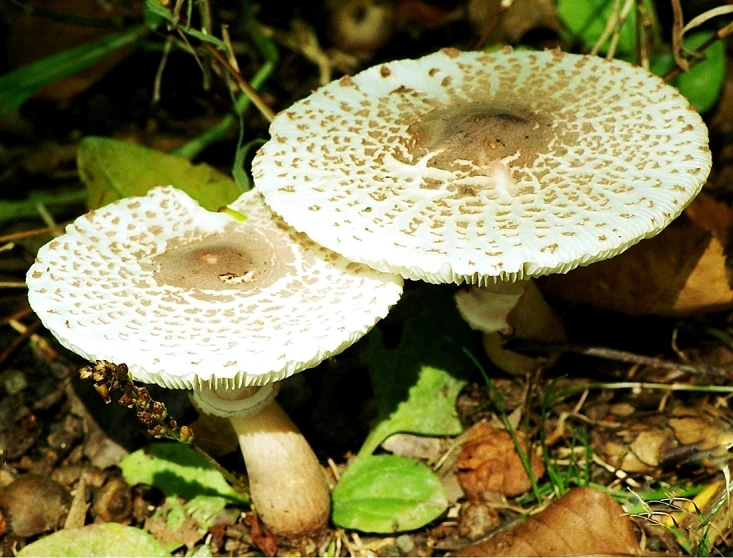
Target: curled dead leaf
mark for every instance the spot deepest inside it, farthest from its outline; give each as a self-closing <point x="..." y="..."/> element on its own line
<point x="585" y="521"/>
<point x="489" y="463"/>
<point x="679" y="272"/>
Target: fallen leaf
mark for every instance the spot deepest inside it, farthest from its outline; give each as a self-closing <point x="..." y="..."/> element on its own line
<point x="419" y="448"/>
<point x="173" y="527"/>
<point x="585" y="521"/>
<point x="23" y="46"/>
<point x="261" y="536"/>
<point x="683" y="437"/>
<point x="489" y="463"/>
<point x="678" y="272"/>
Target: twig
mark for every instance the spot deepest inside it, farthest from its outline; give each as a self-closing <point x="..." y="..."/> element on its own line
<point x="20" y="314"/>
<point x="677" y="26"/>
<point x="253" y="95"/>
<point x="33" y="232"/>
<point x="18" y="341"/>
<point x="503" y="8"/>
<point x="625" y="11"/>
<point x="697" y="55"/>
<point x="706" y="16"/>
<point x="161" y="66"/>
<point x="12" y="285"/>
<point x="610" y="26"/>
<point x="522" y="345"/>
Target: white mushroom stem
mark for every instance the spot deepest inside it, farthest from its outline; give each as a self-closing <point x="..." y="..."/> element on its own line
<point x="517" y="308"/>
<point x="287" y="484"/>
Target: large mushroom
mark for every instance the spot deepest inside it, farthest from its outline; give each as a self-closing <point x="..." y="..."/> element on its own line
<point x="198" y="300"/>
<point x="486" y="169"/>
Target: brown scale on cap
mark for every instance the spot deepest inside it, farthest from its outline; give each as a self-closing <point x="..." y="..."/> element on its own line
<point x="478" y="167"/>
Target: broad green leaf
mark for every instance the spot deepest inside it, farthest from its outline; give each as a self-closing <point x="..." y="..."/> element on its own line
<point x="104" y="539"/>
<point x="177" y="470"/>
<point x="17" y="86"/>
<point x="387" y="494"/>
<point x="113" y="169"/>
<point x="703" y="83"/>
<point x="586" y="20"/>
<point x="416" y="384"/>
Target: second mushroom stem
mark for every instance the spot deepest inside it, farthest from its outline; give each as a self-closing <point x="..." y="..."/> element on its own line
<point x="515" y="308"/>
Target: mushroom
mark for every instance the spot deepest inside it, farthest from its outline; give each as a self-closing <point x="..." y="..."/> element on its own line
<point x="198" y="300"/>
<point x="486" y="169"/>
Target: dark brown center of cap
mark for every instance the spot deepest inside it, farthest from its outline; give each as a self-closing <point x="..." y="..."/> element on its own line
<point x="232" y="259"/>
<point x="481" y="134"/>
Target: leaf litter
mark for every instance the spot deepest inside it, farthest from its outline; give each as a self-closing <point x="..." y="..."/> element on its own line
<point x="661" y="453"/>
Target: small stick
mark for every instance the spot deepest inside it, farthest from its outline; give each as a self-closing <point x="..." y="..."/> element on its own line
<point x="698" y="53"/>
<point x="677" y="25"/>
<point x="610" y="26"/>
<point x="253" y="95"/>
<point x="27" y="234"/>
<point x="12" y="285"/>
<point x="18" y="341"/>
<point x="613" y="354"/>
<point x="503" y="8"/>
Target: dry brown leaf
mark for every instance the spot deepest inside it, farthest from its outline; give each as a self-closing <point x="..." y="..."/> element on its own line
<point x="678" y="272"/>
<point x="521" y="17"/>
<point x="32" y="38"/>
<point x="187" y="533"/>
<point x="683" y="437"/>
<point x="489" y="463"/>
<point x="584" y="522"/>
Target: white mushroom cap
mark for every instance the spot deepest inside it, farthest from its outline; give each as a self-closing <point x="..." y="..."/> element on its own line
<point x="193" y="299"/>
<point x="477" y="167"/>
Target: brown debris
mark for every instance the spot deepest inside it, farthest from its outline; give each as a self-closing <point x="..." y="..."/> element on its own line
<point x="583" y="522"/>
<point x="113" y="501"/>
<point x="34" y="504"/>
<point x="489" y="463"/>
<point x="683" y="437"/>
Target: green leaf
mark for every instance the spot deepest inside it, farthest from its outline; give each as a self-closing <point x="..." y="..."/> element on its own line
<point x="416" y="384"/>
<point x="113" y="169"/>
<point x="586" y="20"/>
<point x="11" y="210"/>
<point x="177" y="470"/>
<point x="703" y="83"/>
<point x="17" y="86"/>
<point x="104" y="539"/>
<point x="387" y="494"/>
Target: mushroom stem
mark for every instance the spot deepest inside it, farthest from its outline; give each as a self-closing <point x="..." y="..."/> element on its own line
<point x="517" y="308"/>
<point x="287" y="484"/>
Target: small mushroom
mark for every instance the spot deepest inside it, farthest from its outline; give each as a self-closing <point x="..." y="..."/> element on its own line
<point x="486" y="169"/>
<point x="198" y="300"/>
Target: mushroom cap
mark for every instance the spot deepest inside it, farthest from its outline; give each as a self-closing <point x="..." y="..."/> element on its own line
<point x="481" y="167"/>
<point x="188" y="298"/>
